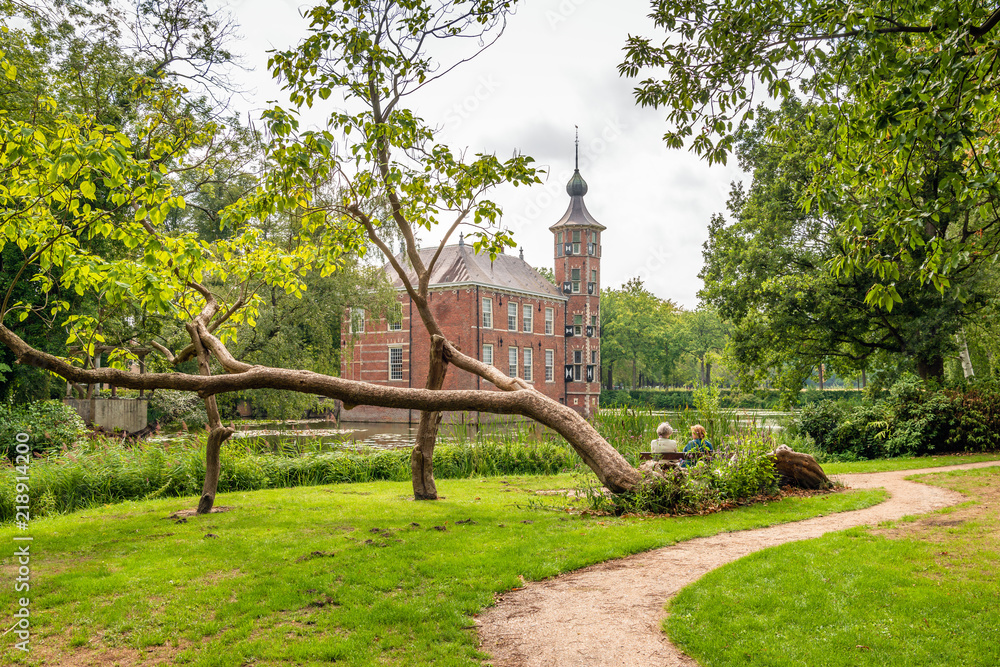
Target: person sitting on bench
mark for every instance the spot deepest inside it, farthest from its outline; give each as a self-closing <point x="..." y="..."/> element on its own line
<point x="698" y="446"/>
<point x="663" y="444"/>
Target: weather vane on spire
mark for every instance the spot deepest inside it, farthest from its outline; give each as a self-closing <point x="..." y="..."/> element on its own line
<point x="577" y="147"/>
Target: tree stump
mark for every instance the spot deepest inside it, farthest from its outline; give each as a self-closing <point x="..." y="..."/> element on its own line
<point x="797" y="469"/>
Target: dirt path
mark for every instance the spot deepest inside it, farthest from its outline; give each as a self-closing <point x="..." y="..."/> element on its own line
<point x="579" y="618"/>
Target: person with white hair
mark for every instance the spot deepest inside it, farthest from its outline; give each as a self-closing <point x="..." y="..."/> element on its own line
<point x="663" y="444"/>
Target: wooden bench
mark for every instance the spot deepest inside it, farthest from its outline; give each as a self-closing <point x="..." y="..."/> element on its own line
<point x="665" y="456"/>
<point x="675" y="457"/>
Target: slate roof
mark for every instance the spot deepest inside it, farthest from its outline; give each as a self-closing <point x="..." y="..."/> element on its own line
<point x="458" y="264"/>
<point x="577" y="213"/>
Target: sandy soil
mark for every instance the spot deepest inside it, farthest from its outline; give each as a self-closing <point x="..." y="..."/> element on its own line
<point x="579" y="618"/>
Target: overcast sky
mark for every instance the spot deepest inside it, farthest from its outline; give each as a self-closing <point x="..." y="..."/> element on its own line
<point x="555" y="68"/>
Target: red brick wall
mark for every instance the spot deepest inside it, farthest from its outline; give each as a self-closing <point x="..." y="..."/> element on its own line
<point x="582" y="396"/>
<point x="458" y="313"/>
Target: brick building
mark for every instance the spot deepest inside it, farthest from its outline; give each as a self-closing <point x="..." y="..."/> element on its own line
<point x="504" y="312"/>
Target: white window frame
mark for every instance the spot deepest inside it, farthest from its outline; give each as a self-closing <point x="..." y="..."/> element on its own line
<point x="487" y="354"/>
<point x="398" y="324"/>
<point x="395" y="348"/>
<point x="357" y="320"/>
<point x="528" y="363"/>
<point x="550" y="318"/>
<point x="512" y="315"/>
<point x="550" y="365"/>
<point x="574" y="276"/>
<point x="512" y="362"/>
<point x="487" y="313"/>
<point x="578" y="325"/>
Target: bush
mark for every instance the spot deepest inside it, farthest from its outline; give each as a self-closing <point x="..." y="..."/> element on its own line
<point x="910" y="420"/>
<point x="975" y="424"/>
<point x="918" y="419"/>
<point x="820" y="420"/>
<point x="173" y="407"/>
<point x="49" y="425"/>
<point x="737" y="472"/>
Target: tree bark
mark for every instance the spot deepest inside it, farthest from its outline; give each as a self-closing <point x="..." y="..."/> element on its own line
<point x="218" y="434"/>
<point x="963" y="352"/>
<point x="932" y="368"/>
<point x="797" y="469"/>
<point x="422" y="456"/>
<point x="213" y="465"/>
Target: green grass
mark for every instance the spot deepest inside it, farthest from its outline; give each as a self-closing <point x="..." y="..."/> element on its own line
<point x="354" y="573"/>
<point x="905" y="463"/>
<point x="925" y="593"/>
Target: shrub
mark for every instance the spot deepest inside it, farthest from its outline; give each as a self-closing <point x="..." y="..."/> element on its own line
<point x="744" y="469"/>
<point x="737" y="472"/>
<point x="819" y="421"/>
<point x="49" y="424"/>
<point x="975" y="424"/>
<point x="172" y="407"/>
<point x="910" y="420"/>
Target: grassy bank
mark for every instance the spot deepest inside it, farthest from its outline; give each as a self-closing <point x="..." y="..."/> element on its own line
<point x="918" y="592"/>
<point x="356" y="573"/>
<point x="106" y="471"/>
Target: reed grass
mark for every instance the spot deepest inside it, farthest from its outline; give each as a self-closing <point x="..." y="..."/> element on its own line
<point x="102" y="471"/>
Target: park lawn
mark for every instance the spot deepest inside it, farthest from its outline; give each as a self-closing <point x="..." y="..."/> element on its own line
<point x="905" y="463"/>
<point x="920" y="591"/>
<point x="355" y="573"/>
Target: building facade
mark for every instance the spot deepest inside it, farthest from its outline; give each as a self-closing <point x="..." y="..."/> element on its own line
<point x="503" y="312"/>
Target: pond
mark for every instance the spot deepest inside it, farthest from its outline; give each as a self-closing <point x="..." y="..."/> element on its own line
<point x="344" y="435"/>
<point x="349" y="435"/>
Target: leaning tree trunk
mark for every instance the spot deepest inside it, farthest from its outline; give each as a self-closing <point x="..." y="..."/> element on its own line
<point x="797" y="469"/>
<point x="422" y="457"/>
<point x="515" y="398"/>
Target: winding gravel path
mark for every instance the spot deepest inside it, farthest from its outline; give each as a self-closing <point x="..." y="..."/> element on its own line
<point x="579" y="618"/>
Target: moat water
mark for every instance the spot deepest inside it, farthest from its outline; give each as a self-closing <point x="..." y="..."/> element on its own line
<point x="348" y="435"/>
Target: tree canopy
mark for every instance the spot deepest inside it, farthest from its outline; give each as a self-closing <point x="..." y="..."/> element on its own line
<point x="911" y="89"/>
<point x="767" y="272"/>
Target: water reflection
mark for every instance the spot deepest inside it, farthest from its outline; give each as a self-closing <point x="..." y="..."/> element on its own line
<point x="334" y="435"/>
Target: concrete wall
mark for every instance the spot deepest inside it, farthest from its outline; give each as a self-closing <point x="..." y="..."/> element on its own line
<point x="112" y="414"/>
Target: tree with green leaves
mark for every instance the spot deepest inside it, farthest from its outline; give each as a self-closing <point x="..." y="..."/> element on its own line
<point x="766" y="270"/>
<point x="703" y="335"/>
<point x="636" y="331"/>
<point x="386" y="162"/>
<point x="910" y="89"/>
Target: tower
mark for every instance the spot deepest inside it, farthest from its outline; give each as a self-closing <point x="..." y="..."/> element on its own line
<point x="578" y="273"/>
